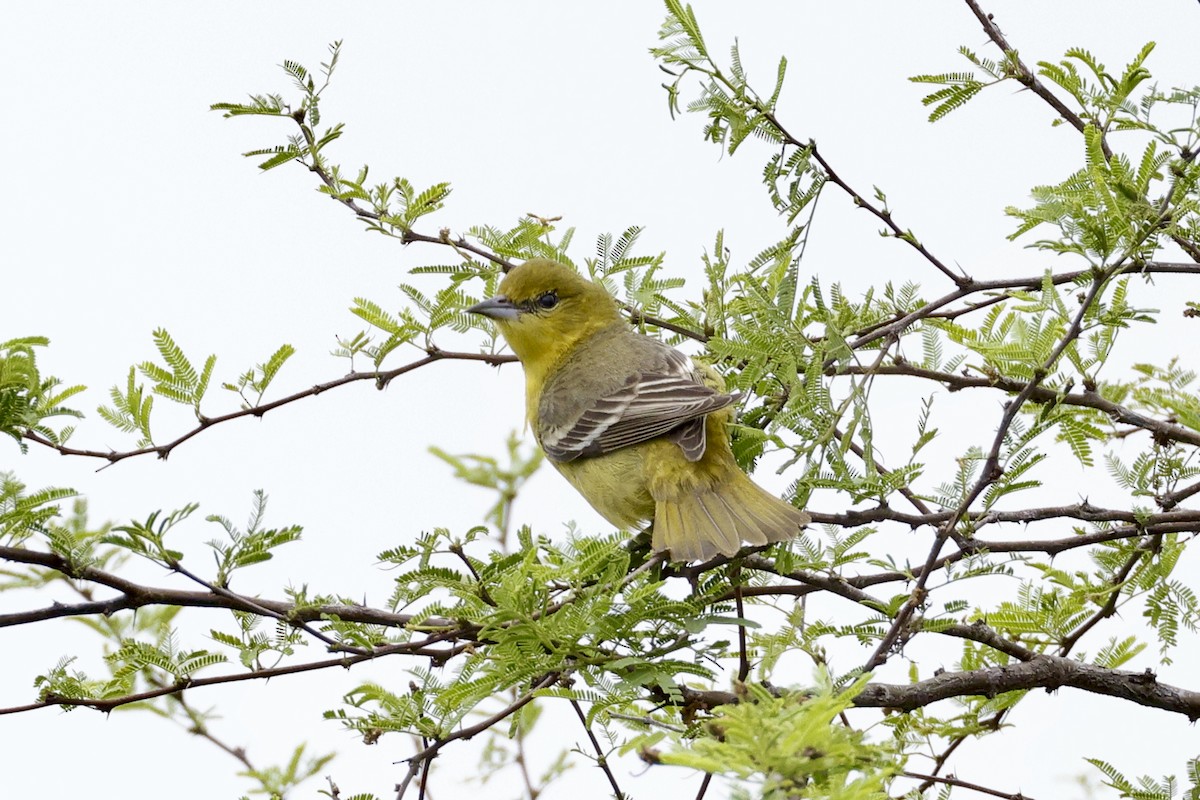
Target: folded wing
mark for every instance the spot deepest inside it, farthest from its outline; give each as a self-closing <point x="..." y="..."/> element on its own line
<point x="648" y="405"/>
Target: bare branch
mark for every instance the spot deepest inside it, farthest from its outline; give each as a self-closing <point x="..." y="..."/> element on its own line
<point x="1042" y="672"/>
<point x="884" y="215"/>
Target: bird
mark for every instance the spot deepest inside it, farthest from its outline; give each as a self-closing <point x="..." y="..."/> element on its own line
<point x="636" y="426"/>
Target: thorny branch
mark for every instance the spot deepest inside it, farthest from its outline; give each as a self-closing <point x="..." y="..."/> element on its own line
<point x="1088" y="398"/>
<point x="381" y="380"/>
<point x="442" y="632"/>
<point x="996" y="290"/>
<point x="108" y="704"/>
<point x="1026" y="76"/>
<point x="1040" y="672"/>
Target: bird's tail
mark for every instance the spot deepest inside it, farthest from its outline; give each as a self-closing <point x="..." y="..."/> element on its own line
<point x="696" y="526"/>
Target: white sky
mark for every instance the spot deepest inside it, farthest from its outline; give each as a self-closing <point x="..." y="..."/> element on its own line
<point x="128" y="208"/>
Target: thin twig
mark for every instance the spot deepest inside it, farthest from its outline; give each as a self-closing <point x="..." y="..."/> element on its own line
<point x="423" y="788"/>
<point x="884" y="215"/>
<point x="457" y="550"/>
<point x="975" y="787"/>
<point x="649" y="722"/>
<point x="254" y="607"/>
<point x="200" y="728"/>
<point x="431" y="752"/>
<point x="601" y="758"/>
<point x="108" y="704"/>
<point x="637" y="316"/>
<point x="1147" y="547"/>
<point x="891" y="327"/>
<point x="991" y="723"/>
<point x="522" y="761"/>
<point x="1026" y="77"/>
<point x="735" y="575"/>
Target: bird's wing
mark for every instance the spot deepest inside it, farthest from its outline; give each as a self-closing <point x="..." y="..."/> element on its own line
<point x="648" y="405"/>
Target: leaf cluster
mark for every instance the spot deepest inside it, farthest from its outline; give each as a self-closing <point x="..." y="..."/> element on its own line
<point x="27" y="399"/>
<point x="789" y="746"/>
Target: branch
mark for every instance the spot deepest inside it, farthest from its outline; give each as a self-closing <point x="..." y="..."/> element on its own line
<point x="904" y="489"/>
<point x="108" y="704"/>
<point x="990" y="471"/>
<point x="830" y="583"/>
<point x="992" y="723"/>
<point x="199" y="727"/>
<point x="1149" y="545"/>
<point x="134" y="595"/>
<point x="408" y="235"/>
<point x="810" y="582"/>
<point x="381" y="379"/>
<point x="980" y="631"/>
<point x="254" y="607"/>
<point x="1169" y="500"/>
<point x="882" y="214"/>
<point x="1041" y="672"/>
<point x="1082" y="511"/>
<point x="601" y="758"/>
<point x="637" y="317"/>
<point x="894" y="326"/>
<point x="974" y="787"/>
<point x="443" y="237"/>
<point x="1088" y="398"/>
<point x="846" y="586"/>
<point x="429" y="753"/>
<point x="1026" y="77"/>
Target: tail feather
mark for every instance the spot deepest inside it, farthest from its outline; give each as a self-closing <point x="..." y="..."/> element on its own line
<point x="669" y="528"/>
<point x="746" y="525"/>
<point x="699" y="525"/>
<point x="722" y="521"/>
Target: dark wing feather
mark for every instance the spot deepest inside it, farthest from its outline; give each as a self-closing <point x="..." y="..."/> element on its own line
<point x="647" y="406"/>
<point x="691" y="438"/>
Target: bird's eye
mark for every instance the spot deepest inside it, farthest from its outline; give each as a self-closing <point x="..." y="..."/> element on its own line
<point x="547" y="300"/>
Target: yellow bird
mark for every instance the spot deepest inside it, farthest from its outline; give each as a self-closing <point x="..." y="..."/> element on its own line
<point x="635" y="426"/>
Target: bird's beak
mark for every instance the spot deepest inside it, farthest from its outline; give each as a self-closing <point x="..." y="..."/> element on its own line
<point x="498" y="307"/>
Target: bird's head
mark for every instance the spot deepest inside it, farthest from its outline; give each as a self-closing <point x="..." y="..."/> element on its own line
<point x="545" y="308"/>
